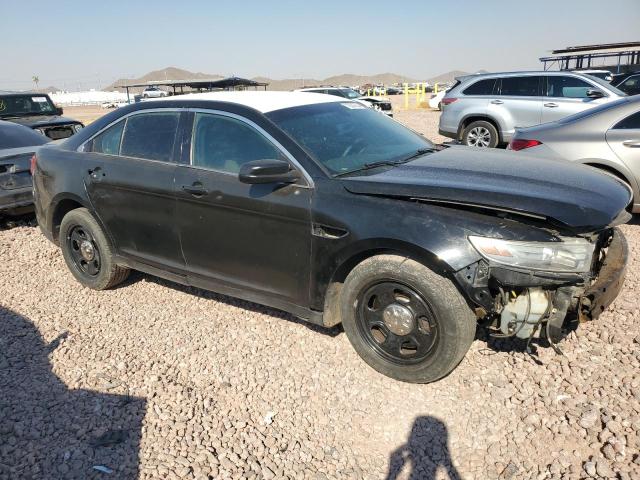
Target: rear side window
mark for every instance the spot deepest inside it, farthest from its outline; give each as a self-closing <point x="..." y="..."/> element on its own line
<point x="567" y="87"/>
<point x="150" y="135"/>
<point x="225" y="144"/>
<point x="483" y="87"/>
<point x="631" y="122"/>
<point x="528" y="86"/>
<point x="108" y="142"/>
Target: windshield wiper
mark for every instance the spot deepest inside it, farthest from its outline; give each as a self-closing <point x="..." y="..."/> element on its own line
<point x="393" y="163"/>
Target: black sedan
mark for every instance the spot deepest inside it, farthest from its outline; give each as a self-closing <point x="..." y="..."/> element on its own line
<point x="17" y="146"/>
<point x="322" y="207"/>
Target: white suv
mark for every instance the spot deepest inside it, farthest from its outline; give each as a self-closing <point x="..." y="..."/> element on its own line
<point x="484" y="110"/>
<point x="154" y="92"/>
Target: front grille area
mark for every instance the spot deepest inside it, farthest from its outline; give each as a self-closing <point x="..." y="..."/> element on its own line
<point x="57" y="133"/>
<point x="385" y="106"/>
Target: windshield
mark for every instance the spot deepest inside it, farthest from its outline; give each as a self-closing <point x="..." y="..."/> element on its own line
<point x="21" y="105"/>
<point x="607" y="85"/>
<point x="350" y="94"/>
<point x="347" y="136"/>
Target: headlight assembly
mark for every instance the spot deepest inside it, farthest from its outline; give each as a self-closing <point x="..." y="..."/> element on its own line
<point x="568" y="255"/>
<point x="77" y="128"/>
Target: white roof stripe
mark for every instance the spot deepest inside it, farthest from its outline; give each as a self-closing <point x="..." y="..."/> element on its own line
<point x="262" y="101"/>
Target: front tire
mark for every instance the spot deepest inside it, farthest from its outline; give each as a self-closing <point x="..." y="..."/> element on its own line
<point x="404" y="320"/>
<point x="481" y="134"/>
<point x="88" y="253"/>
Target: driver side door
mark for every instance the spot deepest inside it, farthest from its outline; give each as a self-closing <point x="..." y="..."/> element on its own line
<point x="238" y="237"/>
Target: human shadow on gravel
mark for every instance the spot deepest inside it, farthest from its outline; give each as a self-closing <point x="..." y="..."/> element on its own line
<point x="426" y="451"/>
<point x="48" y="431"/>
<point x="235" y="302"/>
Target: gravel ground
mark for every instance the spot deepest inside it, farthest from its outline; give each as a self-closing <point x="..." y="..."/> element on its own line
<point x="157" y="380"/>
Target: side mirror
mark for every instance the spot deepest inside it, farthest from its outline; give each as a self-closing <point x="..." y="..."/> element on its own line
<point x="267" y="171"/>
<point x="59" y="111"/>
<point x="594" y="93"/>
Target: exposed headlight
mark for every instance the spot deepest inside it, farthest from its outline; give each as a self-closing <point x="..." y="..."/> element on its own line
<point x="40" y="131"/>
<point x="77" y="128"/>
<point x="568" y="255"/>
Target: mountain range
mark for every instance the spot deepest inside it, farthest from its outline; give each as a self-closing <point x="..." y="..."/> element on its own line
<point x="173" y="73"/>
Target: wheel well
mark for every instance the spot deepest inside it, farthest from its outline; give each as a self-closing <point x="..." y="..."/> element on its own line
<point x="331" y="315"/>
<point x="465" y="122"/>
<point x="610" y="170"/>
<point x="62" y="208"/>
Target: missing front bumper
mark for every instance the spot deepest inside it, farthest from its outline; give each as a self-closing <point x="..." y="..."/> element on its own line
<point x="597" y="297"/>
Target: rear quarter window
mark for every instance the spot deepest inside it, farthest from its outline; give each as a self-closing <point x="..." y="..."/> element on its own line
<point x="482" y="87"/>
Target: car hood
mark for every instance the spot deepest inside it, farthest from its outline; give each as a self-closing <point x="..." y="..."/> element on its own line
<point x="35" y="121"/>
<point x="579" y="197"/>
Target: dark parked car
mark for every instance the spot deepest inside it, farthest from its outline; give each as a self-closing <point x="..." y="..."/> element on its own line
<point x="17" y="146"/>
<point x="37" y="111"/>
<point x="319" y="206"/>
<point x="629" y="83"/>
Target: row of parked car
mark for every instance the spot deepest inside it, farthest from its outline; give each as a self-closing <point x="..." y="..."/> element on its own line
<point x="565" y="115"/>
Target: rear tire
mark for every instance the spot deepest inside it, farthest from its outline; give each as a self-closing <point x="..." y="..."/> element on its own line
<point x="88" y="253"/>
<point x="404" y="320"/>
<point x="481" y="134"/>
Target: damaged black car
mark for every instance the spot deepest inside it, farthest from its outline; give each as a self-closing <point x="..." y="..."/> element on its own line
<point x="17" y="146"/>
<point x="328" y="210"/>
<point x="38" y="112"/>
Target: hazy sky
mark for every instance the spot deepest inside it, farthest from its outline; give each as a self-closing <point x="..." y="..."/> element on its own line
<point x="72" y="44"/>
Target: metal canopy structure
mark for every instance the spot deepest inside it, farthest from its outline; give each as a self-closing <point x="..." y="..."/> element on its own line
<point x="199" y="85"/>
<point x="616" y="57"/>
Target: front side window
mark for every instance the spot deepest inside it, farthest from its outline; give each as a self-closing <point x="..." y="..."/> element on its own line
<point x="225" y="144"/>
<point x="150" y="135"/>
<point x="631" y="122"/>
<point x="108" y="142"/>
<point x="482" y="87"/>
<point x="567" y="87"/>
<point x="520" y="86"/>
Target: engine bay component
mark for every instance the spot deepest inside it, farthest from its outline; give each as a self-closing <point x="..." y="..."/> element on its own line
<point x="524" y="312"/>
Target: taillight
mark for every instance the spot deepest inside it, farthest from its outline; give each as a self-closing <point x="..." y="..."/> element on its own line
<point x="521" y="144"/>
<point x="448" y="100"/>
<point x="32" y="167"/>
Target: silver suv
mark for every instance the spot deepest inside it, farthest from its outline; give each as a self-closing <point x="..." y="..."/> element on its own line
<point x="484" y="110"/>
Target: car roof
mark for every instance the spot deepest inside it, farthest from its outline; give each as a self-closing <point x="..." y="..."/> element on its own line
<point x="264" y="102"/>
<point x="528" y="73"/>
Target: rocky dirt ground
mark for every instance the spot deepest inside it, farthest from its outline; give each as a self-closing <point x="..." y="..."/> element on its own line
<point x="156" y="380"/>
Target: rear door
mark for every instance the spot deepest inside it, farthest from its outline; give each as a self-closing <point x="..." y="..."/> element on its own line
<point x="624" y="140"/>
<point x="566" y="95"/>
<point x="518" y="103"/>
<point x="130" y="180"/>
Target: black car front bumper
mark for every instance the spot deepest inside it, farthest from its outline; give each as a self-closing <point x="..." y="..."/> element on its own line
<point x="598" y="296"/>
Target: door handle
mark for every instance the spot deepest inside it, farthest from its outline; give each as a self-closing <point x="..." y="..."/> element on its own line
<point x="497" y="102"/>
<point x="631" y="143"/>
<point x="551" y="105"/>
<point x="195" y="189"/>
